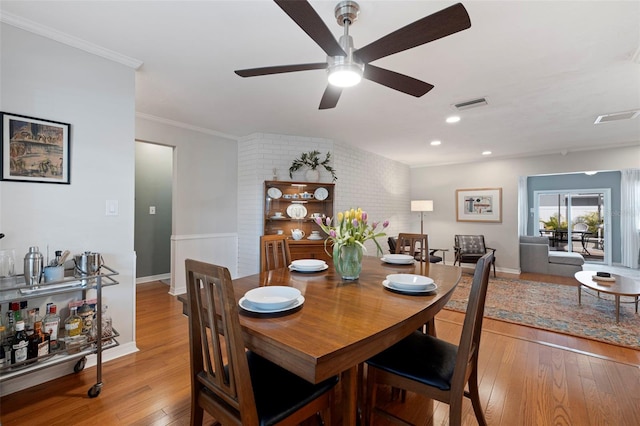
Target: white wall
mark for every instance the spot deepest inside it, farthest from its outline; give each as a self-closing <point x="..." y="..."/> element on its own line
<point x="440" y="183"/>
<point x="374" y="183"/>
<point x="45" y="79"/>
<point x="205" y="195"/>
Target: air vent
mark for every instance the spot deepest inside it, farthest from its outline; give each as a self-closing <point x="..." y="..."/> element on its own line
<point x="474" y="103"/>
<point x="617" y="116"/>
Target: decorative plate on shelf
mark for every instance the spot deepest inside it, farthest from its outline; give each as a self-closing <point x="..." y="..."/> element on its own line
<point x="297" y="211"/>
<point x="274" y="193"/>
<point x="321" y="193"/>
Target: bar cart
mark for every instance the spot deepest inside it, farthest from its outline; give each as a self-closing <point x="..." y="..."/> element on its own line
<point x="14" y="289"/>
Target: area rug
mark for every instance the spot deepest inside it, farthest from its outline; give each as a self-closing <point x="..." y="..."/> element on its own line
<point x="555" y="308"/>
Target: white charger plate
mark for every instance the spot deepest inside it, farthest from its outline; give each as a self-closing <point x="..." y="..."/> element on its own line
<point x="274" y="193"/>
<point x="272" y="297"/>
<point x="321" y="193"/>
<point x="430" y="288"/>
<point x="398" y="259"/>
<point x="297" y="211"/>
<point x="248" y="306"/>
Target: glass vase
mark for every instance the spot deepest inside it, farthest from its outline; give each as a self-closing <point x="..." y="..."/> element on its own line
<point x="347" y="260"/>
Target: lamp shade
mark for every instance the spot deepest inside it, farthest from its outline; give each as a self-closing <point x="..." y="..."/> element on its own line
<point x="422" y="205"/>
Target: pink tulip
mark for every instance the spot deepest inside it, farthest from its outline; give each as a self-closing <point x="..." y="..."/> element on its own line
<point x="319" y="220"/>
<point x="364" y="216"/>
<point x="385" y="223"/>
<point x="332" y="233"/>
<point x="328" y="221"/>
<point x="374" y="225"/>
<point x="355" y="223"/>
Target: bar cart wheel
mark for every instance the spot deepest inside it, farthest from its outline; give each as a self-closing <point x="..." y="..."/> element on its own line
<point x="80" y="365"/>
<point x="94" y="391"/>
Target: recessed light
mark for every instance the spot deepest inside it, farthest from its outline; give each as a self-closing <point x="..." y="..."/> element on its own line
<point x="591" y="173"/>
<point x="436" y="143"/>
<point x="486" y="152"/>
<point x="453" y="119"/>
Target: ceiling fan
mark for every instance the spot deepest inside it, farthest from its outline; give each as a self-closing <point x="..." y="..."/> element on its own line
<point x="347" y="65"/>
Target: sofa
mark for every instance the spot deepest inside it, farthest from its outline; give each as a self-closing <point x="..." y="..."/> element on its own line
<point x="536" y="257"/>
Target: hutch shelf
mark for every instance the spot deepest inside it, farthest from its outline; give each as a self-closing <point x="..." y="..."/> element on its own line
<point x="295" y="205"/>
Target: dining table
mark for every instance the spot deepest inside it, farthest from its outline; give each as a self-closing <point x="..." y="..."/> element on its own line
<point x="341" y="323"/>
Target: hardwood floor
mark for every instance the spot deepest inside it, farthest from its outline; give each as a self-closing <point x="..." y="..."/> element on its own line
<point x="527" y="377"/>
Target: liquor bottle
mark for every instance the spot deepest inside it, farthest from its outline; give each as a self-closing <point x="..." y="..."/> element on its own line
<point x="107" y="326"/>
<point x="51" y="325"/>
<point x="73" y="324"/>
<point x="86" y="312"/>
<point x="38" y="342"/>
<point x="19" y="344"/>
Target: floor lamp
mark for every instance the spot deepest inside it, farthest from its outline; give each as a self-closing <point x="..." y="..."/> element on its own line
<point x="421" y="206"/>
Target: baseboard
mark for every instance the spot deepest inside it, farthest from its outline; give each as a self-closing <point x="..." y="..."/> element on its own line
<point x="148" y="279"/>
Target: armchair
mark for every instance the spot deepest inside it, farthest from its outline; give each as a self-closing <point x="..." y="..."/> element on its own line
<point x="470" y="248"/>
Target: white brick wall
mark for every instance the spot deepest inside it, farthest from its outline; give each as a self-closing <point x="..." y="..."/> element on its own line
<point x="376" y="184"/>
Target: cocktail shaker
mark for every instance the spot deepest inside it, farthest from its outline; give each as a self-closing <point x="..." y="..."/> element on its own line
<point x="33" y="266"/>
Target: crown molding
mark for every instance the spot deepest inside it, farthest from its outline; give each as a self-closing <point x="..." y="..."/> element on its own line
<point x="185" y="126"/>
<point x="59" y="36"/>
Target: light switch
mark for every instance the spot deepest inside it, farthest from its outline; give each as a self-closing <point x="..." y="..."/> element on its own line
<point x="152" y="209"/>
<point x="111" y="208"/>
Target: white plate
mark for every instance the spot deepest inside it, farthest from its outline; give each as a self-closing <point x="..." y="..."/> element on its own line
<point x="321" y="194"/>
<point x="323" y="268"/>
<point x="272" y="297"/>
<point x="315" y="238"/>
<point x="400" y="259"/>
<point x="248" y="306"/>
<point x="430" y="288"/>
<point x="409" y="281"/>
<point x="274" y="193"/>
<point x="308" y="263"/>
<point x="297" y="211"/>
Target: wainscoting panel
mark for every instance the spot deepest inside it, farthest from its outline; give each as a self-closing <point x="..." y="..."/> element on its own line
<point x="219" y="249"/>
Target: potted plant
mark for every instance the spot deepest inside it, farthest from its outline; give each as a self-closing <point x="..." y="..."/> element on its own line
<point x="311" y="160"/>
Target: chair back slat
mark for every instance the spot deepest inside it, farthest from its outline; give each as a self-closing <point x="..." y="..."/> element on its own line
<point x="217" y="352"/>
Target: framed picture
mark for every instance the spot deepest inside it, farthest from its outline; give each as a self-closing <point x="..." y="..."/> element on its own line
<point x="479" y="205"/>
<point x="34" y="150"/>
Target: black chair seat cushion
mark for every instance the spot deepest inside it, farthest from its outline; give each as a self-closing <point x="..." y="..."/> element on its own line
<point x="278" y="392"/>
<point x="434" y="259"/>
<point x="420" y="357"/>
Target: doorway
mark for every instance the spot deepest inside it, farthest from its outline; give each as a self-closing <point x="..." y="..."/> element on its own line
<point x="576" y="220"/>
<point x="153" y="211"/>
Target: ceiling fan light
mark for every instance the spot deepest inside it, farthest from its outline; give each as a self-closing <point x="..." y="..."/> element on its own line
<point x="345" y="75"/>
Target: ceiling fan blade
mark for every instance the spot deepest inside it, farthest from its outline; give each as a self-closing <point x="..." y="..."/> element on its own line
<point x="440" y="24"/>
<point x="308" y="19"/>
<point x="394" y="80"/>
<point x="330" y="97"/>
<point x="278" y="69"/>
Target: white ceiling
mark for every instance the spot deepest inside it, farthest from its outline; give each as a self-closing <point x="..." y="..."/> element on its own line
<point x="547" y="69"/>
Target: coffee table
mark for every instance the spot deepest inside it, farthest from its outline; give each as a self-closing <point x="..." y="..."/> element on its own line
<point x="622" y="286"/>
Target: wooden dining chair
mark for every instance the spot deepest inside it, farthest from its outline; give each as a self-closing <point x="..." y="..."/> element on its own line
<point x="413" y="244"/>
<point x="274" y="252"/>
<point x="236" y="386"/>
<point x="435" y="368"/>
